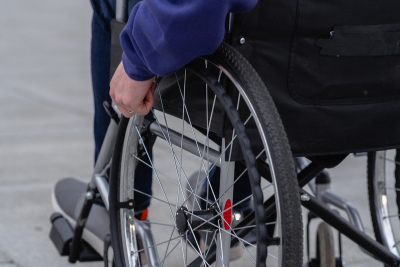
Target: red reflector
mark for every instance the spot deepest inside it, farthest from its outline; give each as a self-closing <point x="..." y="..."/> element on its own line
<point x="227" y="214"/>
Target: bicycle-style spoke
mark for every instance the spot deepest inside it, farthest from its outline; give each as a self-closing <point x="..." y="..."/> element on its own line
<point x="172" y="150"/>
<point x="157" y="223"/>
<point x="250" y="226"/>
<point x="169" y="178"/>
<point x="200" y="255"/>
<point x="391" y="216"/>
<point x="237" y="179"/>
<point x="169" y="143"/>
<point x="166" y="250"/>
<point x="156" y="245"/>
<point x="147" y="195"/>
<point x="220" y="252"/>
<point x="392" y="188"/>
<point x="390" y="160"/>
<point x="158" y="178"/>
<point x="195" y="138"/>
<point x="162" y="262"/>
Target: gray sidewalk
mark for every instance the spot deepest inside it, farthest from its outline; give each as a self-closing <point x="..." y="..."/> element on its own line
<point x="46" y="128"/>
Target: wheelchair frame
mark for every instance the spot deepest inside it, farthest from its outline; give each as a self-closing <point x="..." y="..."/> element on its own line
<point x="98" y="184"/>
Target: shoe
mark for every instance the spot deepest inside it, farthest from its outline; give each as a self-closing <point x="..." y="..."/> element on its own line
<point x="67" y="198"/>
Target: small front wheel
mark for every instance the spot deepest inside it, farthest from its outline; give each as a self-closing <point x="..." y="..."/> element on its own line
<point x="325" y="246"/>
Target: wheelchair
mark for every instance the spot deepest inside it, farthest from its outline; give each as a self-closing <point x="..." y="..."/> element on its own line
<point x="216" y="112"/>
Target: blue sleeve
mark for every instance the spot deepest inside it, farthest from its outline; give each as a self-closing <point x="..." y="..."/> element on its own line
<point x="161" y="36"/>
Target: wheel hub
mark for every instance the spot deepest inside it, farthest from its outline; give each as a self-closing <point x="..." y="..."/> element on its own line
<point x="198" y="220"/>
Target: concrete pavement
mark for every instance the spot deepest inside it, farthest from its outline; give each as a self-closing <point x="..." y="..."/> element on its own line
<point x="46" y="128"/>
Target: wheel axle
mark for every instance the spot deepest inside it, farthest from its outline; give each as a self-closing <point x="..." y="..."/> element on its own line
<point x="198" y="220"/>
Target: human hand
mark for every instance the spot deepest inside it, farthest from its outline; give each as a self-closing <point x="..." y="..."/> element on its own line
<point x="130" y="95"/>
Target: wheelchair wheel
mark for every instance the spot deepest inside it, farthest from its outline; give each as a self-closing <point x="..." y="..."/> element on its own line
<point x="325" y="246"/>
<point x="188" y="236"/>
<point x="384" y="197"/>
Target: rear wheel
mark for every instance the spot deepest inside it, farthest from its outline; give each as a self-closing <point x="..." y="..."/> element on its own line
<point x="384" y="197"/>
<point x="192" y="145"/>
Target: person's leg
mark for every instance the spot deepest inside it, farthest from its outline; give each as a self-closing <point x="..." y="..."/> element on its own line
<point x="103" y="13"/>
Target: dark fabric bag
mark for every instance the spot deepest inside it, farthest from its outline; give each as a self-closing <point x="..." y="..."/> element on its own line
<point x="332" y="68"/>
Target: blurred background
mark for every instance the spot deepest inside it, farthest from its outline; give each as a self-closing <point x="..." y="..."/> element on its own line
<point x="46" y="125"/>
<point x="46" y="120"/>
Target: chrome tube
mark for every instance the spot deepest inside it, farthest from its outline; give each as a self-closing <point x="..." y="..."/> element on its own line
<point x="329" y="197"/>
<point x="105" y="152"/>
<point x="149" y="245"/>
<point x="102" y="186"/>
<point x="121" y="10"/>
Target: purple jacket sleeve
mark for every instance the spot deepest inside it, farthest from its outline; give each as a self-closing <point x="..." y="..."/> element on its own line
<point x="161" y="36"/>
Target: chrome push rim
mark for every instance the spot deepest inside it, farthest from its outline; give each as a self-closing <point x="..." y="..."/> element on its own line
<point x="167" y="248"/>
<point x="385" y="200"/>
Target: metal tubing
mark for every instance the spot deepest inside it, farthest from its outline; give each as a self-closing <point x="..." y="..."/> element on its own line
<point x="149" y="245"/>
<point x="80" y="225"/>
<point x="105" y="152"/>
<point x="354" y="218"/>
<point x="121" y="10"/>
<point x="187" y="143"/>
<point x="309" y="173"/>
<point x="102" y="186"/>
<point x="371" y="246"/>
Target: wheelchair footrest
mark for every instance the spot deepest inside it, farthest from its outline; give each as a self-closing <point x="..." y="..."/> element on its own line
<point x="62" y="234"/>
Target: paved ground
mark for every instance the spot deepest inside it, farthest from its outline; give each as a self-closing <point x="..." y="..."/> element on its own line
<point x="46" y="127"/>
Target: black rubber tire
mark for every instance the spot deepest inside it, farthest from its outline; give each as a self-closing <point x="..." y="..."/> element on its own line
<point x="292" y="225"/>
<point x="325" y="245"/>
<point x="291" y="219"/>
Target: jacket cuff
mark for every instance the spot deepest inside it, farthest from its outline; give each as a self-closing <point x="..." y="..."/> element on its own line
<point x="135" y="73"/>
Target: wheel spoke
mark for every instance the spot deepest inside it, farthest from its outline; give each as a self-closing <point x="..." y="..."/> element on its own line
<point x="195" y="139"/>
<point x="392" y="188"/>
<point x="158" y="178"/>
<point x="200" y="255"/>
<point x="157" y="223"/>
<point x="166" y="251"/>
<point x="158" y="244"/>
<point x="162" y="262"/>
<point x="391" y="216"/>
<point x="183" y="171"/>
<point x="169" y="178"/>
<point x="390" y="160"/>
<point x="221" y="252"/>
<point x="237" y="179"/>
<point x="172" y="150"/>
<point x="250" y="226"/>
<point x="153" y="197"/>
<point x="208" y="122"/>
